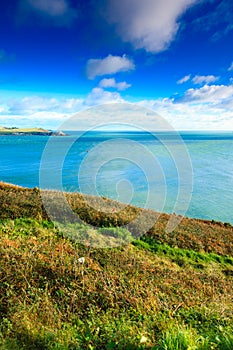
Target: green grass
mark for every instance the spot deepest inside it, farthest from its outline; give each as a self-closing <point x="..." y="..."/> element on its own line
<point x="161" y="291"/>
<point x="182" y="256"/>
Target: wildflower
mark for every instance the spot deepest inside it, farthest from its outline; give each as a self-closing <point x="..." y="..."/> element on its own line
<point x="81" y="260"/>
<point x="143" y="339"/>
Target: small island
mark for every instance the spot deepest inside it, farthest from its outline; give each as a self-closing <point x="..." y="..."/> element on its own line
<point x="29" y="131"/>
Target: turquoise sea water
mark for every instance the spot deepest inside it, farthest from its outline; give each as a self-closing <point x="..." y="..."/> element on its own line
<point x="121" y="170"/>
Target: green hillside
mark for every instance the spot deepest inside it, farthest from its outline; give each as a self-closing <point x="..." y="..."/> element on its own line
<point x="14" y="130"/>
<point x="160" y="291"/>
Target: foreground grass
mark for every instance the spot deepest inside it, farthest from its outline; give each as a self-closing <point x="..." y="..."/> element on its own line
<point x="157" y="292"/>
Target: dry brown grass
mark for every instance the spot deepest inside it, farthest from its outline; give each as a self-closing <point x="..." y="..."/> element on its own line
<point x="198" y="235"/>
<point x="48" y="300"/>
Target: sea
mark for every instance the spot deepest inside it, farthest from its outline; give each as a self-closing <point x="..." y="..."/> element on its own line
<point x="187" y="173"/>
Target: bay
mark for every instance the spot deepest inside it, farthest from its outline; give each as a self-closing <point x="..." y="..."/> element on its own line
<point x="92" y="165"/>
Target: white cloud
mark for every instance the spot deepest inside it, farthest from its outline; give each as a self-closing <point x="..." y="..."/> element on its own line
<point x="108" y="65"/>
<point x="149" y="24"/>
<point x="59" y="10"/>
<point x="38" y="111"/>
<point x="49" y="120"/>
<point x="29" y="105"/>
<point x="214" y="94"/>
<point x="198" y="79"/>
<point x="186" y="116"/>
<point x="99" y="96"/>
<point x="35" y="104"/>
<point x="184" y="79"/>
<point x="45" y="112"/>
<point x="201" y="79"/>
<point x="231" y="67"/>
<point x="206" y="108"/>
<point x="111" y="83"/>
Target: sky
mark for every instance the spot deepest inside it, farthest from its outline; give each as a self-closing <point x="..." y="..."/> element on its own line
<point x="58" y="57"/>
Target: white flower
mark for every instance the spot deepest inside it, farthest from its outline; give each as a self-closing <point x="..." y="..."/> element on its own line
<point x="143" y="339"/>
<point x="81" y="260"/>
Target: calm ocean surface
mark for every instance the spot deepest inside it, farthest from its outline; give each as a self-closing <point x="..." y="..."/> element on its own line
<point x="211" y="156"/>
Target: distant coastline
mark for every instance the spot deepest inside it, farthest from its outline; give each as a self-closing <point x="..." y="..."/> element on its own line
<point x="14" y="131"/>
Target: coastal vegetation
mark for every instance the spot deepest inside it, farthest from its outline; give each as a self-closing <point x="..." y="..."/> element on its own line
<point x="159" y="290"/>
<point x="28" y="131"/>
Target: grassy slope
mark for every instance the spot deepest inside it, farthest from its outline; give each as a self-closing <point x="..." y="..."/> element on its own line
<point x="164" y="291"/>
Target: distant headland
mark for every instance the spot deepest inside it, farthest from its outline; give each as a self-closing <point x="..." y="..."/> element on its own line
<point x="14" y="131"/>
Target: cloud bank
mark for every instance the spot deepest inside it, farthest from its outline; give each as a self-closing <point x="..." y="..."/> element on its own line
<point x="214" y="94"/>
<point x="209" y="107"/>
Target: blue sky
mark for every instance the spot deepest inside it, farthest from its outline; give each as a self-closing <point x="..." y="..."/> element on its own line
<point x="58" y="57"/>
